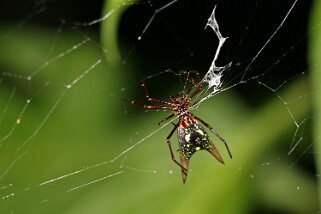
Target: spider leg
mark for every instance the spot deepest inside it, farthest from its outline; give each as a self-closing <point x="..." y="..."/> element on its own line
<point x="148" y="106"/>
<point x="184" y="164"/>
<point x="166" y="118"/>
<point x="146" y="94"/>
<point x="188" y="76"/>
<point x="216" y="134"/>
<point x="198" y="90"/>
<point x="190" y="89"/>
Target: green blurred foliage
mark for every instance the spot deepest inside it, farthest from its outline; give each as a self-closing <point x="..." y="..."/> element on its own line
<point x="314" y="59"/>
<point x="85" y="125"/>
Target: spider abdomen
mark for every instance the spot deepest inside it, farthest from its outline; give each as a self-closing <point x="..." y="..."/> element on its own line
<point x="192" y="138"/>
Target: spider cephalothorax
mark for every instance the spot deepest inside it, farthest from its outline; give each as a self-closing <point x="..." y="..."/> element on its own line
<point x="191" y="134"/>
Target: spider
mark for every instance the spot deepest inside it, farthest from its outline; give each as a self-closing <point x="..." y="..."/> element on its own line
<point x="191" y="135"/>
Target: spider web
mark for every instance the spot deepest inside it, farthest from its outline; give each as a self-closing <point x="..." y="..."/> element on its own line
<point x="69" y="145"/>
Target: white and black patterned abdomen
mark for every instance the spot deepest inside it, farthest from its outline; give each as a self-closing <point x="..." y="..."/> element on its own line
<point x="191" y="139"/>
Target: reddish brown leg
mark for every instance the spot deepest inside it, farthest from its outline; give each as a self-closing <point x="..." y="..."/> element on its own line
<point x="166" y="118"/>
<point x="152" y="99"/>
<point x="192" y="82"/>
<point x="184" y="170"/>
<point x="148" y="106"/>
<point x="188" y="76"/>
<point x="199" y="88"/>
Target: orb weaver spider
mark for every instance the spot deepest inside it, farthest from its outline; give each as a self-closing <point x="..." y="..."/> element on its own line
<point x="192" y="136"/>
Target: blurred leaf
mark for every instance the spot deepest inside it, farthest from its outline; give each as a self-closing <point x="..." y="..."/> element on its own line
<point x="66" y="128"/>
<point x="110" y="27"/>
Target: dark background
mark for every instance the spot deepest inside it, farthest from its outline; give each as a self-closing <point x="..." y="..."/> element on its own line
<point x="176" y="39"/>
<point x="177" y="35"/>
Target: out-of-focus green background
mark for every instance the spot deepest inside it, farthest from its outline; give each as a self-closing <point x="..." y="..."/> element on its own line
<point x="56" y="144"/>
